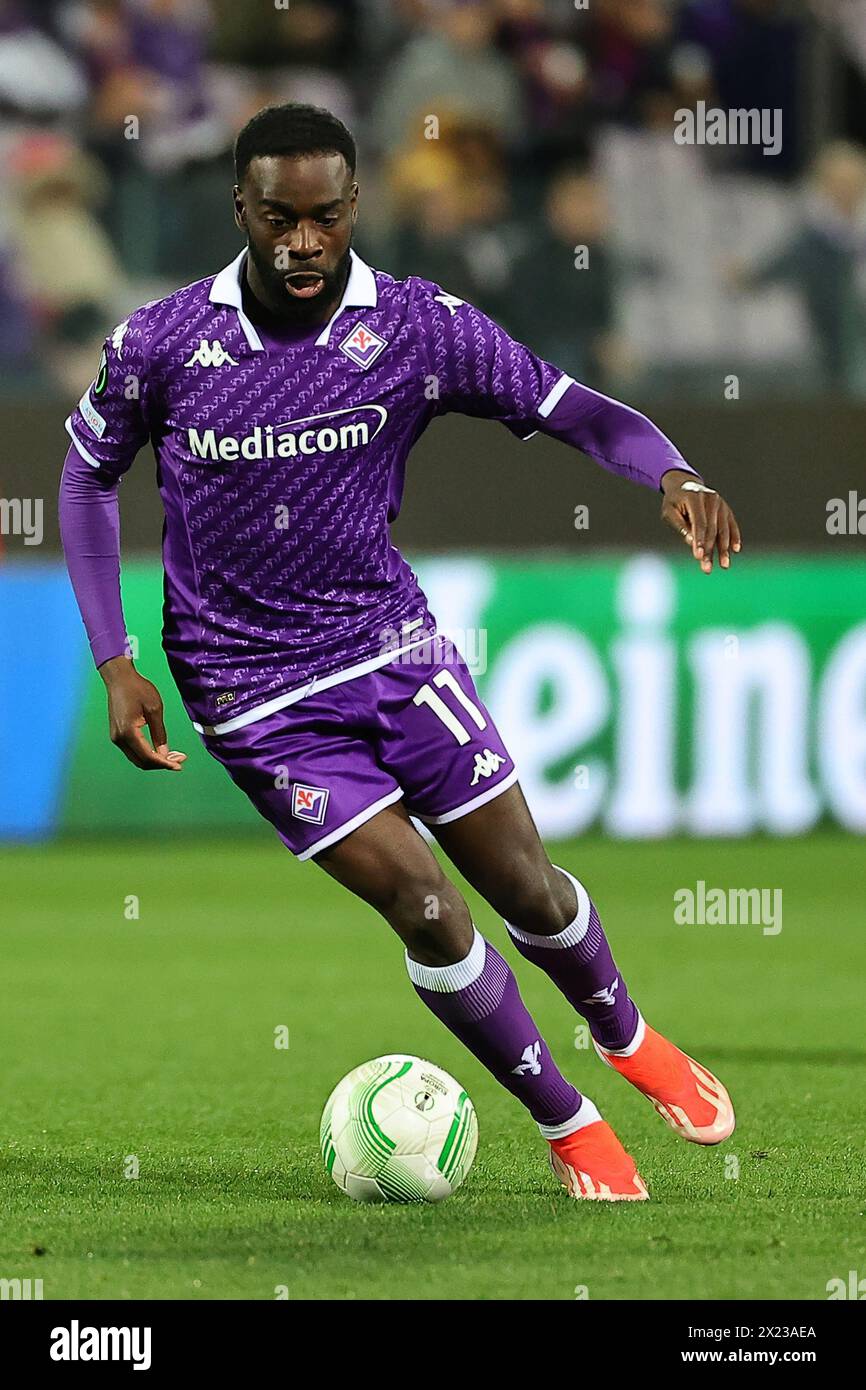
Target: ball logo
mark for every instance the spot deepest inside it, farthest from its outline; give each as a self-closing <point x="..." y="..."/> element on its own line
<point x="424" y="1101"/>
<point x="309" y="803"/>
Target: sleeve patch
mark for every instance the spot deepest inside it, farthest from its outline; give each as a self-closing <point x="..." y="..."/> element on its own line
<point x="101" y="382"/>
<point x="97" y="422"/>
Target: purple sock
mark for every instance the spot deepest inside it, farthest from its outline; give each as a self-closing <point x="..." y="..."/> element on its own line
<point x="579" y="962"/>
<point x="478" y="1000"/>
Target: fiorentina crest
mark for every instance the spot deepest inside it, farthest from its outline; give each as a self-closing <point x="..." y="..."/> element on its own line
<point x="309" y="803"/>
<point x="362" y="346"/>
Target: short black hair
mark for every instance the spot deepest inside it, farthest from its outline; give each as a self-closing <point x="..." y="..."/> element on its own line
<point x="292" y="129"/>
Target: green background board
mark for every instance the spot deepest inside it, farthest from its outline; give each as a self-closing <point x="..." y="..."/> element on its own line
<point x="598" y="600"/>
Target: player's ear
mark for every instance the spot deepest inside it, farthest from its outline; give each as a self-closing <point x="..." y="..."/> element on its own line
<point x="240" y="209"/>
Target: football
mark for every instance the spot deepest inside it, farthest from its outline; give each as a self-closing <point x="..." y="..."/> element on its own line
<point x="398" y="1129"/>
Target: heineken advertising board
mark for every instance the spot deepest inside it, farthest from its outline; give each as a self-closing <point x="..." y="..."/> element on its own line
<point x="637" y="696"/>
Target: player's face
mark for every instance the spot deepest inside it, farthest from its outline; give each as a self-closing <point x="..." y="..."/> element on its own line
<point x="298" y="215"/>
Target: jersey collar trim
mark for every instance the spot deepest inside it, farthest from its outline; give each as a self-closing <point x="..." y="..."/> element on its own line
<point x="360" y="293"/>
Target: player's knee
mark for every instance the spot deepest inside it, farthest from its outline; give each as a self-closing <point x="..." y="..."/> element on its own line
<point x="430" y="916"/>
<point x="535" y="898"/>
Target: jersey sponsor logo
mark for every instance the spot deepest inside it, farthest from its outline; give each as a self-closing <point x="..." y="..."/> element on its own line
<point x="362" y="346"/>
<point x="530" y="1062"/>
<point x="451" y="302"/>
<point x="309" y="803"/>
<point x="211" y="355"/>
<point x="287" y="441"/>
<point x="486" y="764"/>
<point x="97" y="422"/>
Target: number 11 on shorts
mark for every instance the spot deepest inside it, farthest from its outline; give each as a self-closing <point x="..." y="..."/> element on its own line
<point x="426" y="695"/>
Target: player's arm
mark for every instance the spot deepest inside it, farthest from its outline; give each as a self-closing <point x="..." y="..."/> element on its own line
<point x="480" y="370"/>
<point x="627" y="443"/>
<point x="107" y="429"/>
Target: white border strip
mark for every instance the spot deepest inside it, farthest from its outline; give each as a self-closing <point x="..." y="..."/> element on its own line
<point x="448" y="979"/>
<point x="606" y="1052"/>
<point x="291" y="697"/>
<point x="570" y="935"/>
<point x="554" y="395"/>
<point x="588" y="1114"/>
<point x="470" y="805"/>
<point x="88" y="458"/>
<point x="342" y="830"/>
<point x="250" y="333"/>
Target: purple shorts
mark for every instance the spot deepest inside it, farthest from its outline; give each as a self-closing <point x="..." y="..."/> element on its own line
<point x="322" y="766"/>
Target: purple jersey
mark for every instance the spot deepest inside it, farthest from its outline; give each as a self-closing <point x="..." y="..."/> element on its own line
<point x="281" y="464"/>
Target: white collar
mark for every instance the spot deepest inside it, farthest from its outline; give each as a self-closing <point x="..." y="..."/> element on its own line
<point x="360" y="293"/>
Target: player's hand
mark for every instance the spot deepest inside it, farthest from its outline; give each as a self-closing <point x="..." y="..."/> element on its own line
<point x="703" y="518"/>
<point x="134" y="703"/>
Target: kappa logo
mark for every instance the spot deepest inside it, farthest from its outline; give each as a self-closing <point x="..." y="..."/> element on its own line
<point x="309" y="803"/>
<point x="451" y="302"/>
<point x="530" y="1062"/>
<point x="362" y="346"/>
<point x="486" y="764"/>
<point x="211" y="355"/>
<point x="118" y="336"/>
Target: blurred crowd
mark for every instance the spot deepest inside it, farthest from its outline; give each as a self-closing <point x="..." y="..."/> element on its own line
<point x="521" y="152"/>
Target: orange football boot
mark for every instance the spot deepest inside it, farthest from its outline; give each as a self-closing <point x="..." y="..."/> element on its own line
<point x="688" y="1097"/>
<point x="593" y="1165"/>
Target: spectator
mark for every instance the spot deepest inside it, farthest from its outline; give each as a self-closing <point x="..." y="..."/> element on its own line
<point x="38" y="80"/>
<point x="146" y="59"/>
<point x="755" y="52"/>
<point x="450" y="67"/>
<point x="17" y="328"/>
<point x="555" y="76"/>
<point x="629" y="44"/>
<point x="452" y="209"/>
<point x="563" y="287"/>
<point x="823" y="261"/>
<point x="63" y="259"/>
<point x="299" y="53"/>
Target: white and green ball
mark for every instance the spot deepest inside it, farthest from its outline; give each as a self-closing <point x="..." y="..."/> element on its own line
<point x="398" y="1129"/>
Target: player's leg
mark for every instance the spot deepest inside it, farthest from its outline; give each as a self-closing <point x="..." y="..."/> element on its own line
<point x="440" y="743"/>
<point x="553" y="921"/>
<point x="313" y="774"/>
<point x="468" y="985"/>
<point x="549" y="914"/>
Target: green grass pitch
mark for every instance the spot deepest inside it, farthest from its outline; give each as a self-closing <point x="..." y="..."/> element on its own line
<point x="154" y="1038"/>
